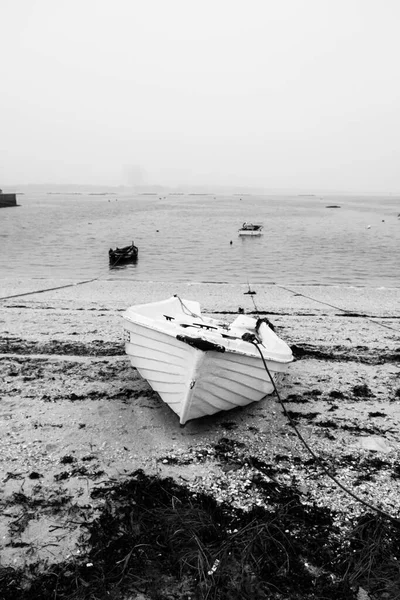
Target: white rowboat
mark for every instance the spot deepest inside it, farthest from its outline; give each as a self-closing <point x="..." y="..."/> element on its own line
<point x="198" y="365"/>
<point x="250" y="229"/>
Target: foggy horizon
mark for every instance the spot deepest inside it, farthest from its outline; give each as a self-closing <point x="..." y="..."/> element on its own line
<point x="189" y="189"/>
<point x="261" y="95"/>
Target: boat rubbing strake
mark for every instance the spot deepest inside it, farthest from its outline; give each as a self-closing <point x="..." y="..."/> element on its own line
<point x="198" y="365"/>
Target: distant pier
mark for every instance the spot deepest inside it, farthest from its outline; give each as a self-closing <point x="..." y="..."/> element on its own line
<point x="7" y="200"/>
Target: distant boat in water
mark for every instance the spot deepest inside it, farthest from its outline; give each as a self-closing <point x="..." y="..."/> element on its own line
<point x="123" y="255"/>
<point x="250" y="229"/>
<point x="193" y="241"/>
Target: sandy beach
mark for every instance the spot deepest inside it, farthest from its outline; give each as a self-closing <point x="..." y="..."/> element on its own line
<point x="76" y="418"/>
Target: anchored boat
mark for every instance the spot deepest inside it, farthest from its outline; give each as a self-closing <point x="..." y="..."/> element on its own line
<point x="250" y="229"/>
<point x="198" y="365"/>
<point x="124" y="255"/>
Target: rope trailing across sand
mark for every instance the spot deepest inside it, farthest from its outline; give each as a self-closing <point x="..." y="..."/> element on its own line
<point x="376" y="509"/>
<point x="60" y="287"/>
<point x="345" y="310"/>
<point x="282" y="287"/>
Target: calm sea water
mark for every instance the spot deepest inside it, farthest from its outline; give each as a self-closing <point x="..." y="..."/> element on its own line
<point x="187" y="238"/>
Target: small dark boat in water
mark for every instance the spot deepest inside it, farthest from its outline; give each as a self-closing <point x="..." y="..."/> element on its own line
<point x="123" y="255"/>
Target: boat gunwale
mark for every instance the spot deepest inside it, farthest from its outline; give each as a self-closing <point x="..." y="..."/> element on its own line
<point x="228" y="350"/>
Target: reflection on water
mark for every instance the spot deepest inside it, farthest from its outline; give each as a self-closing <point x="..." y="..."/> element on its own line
<point x="124" y="266"/>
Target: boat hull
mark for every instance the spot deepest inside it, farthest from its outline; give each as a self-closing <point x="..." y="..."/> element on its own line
<point x="116" y="260"/>
<point x="250" y="233"/>
<point x="195" y="382"/>
<point x="121" y="256"/>
<point x="250" y="229"/>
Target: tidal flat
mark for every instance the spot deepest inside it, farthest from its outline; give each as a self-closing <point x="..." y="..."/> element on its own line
<point x="104" y="495"/>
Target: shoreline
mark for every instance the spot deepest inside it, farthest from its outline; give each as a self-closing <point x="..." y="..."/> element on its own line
<point x="76" y="417"/>
<point x="221" y="293"/>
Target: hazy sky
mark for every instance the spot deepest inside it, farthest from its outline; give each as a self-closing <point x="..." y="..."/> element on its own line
<point x="272" y="93"/>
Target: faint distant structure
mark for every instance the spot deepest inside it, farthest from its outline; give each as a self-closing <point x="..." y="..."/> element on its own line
<point x="134" y="175"/>
<point x="7" y="199"/>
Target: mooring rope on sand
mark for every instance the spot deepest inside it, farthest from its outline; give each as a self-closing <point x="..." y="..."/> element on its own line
<point x="345" y="310"/>
<point x="250" y="292"/>
<point x="296" y="293"/>
<point x="59" y="287"/>
<point x="318" y="460"/>
<point x="394" y="520"/>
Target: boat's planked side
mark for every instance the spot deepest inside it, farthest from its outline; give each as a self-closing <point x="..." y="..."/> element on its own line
<point x="220" y="387"/>
<point x="142" y="333"/>
<point x="197" y="382"/>
<point x="165" y="362"/>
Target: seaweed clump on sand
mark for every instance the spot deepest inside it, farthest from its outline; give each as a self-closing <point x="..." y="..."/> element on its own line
<point x="157" y="540"/>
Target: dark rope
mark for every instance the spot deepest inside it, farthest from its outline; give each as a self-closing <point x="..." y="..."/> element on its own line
<point x="316" y="457"/>
<point x="345" y="310"/>
<point x="60" y="287"/>
<point x="186" y="309"/>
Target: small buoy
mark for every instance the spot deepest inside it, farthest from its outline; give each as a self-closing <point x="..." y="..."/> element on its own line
<point x="157" y="230"/>
<point x="369" y="227"/>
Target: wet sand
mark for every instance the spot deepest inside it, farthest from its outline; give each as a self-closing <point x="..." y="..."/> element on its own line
<point x="75" y="417"/>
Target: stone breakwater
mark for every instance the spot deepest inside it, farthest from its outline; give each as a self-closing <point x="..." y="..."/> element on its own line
<point x="8" y="200"/>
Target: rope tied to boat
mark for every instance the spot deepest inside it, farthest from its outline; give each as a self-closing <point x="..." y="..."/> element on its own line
<point x="344" y="310"/>
<point x="41" y="291"/>
<point x="186" y="309"/>
<point x="250" y="337"/>
<point x="200" y="343"/>
<point x="317" y="459"/>
<point x="254" y="338"/>
<point x="262" y="320"/>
